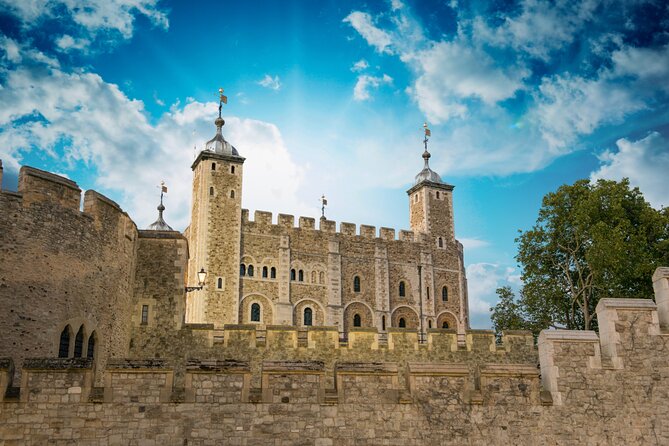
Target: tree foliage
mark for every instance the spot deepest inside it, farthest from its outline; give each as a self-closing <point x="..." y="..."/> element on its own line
<point x="590" y="241"/>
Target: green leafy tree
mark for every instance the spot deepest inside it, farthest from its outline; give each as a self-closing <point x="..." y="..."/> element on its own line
<point x="507" y="314"/>
<point x="590" y="241"/>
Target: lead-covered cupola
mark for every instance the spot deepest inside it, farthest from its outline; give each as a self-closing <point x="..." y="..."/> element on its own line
<point x="218" y="144"/>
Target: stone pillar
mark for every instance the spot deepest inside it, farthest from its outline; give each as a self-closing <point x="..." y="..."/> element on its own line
<point x="335" y="315"/>
<point x="382" y="293"/>
<point x="661" y="288"/>
<point x="284" y="310"/>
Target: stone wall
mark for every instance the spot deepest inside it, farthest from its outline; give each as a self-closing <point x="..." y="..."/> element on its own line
<point x="63" y="267"/>
<point x="588" y="389"/>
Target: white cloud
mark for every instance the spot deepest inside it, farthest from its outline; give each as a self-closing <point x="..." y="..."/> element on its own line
<point x="91" y="15"/>
<point x="102" y="128"/>
<point x="273" y="83"/>
<point x="364" y="25"/>
<point x="645" y="162"/>
<point x="11" y="49"/>
<point x="452" y="71"/>
<point x="68" y="43"/>
<point x="541" y="27"/>
<point x="648" y="65"/>
<point x="365" y="83"/>
<point x="360" y="65"/>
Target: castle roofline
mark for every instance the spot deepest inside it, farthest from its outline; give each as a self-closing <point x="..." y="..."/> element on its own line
<point x="432" y="184"/>
<point x="206" y="154"/>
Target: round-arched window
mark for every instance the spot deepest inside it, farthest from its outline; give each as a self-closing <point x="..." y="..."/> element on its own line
<point x="402" y="323"/>
<point x="357" y="322"/>
<point x="308" y="316"/>
<point x="255" y="312"/>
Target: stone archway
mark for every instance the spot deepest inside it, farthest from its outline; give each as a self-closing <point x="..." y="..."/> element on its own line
<point x="448" y="318"/>
<point x="408" y="315"/>
<point x="364" y="313"/>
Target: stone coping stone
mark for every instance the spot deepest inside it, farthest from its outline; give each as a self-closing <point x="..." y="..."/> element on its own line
<point x="6" y="364"/>
<point x="146" y="233"/>
<point x="217" y="365"/>
<point x="57" y="363"/>
<point x="509" y="370"/>
<point x="568" y="336"/>
<point x="431" y="369"/>
<point x="136" y="364"/>
<point x="293" y="366"/>
<point x="104" y="199"/>
<point x="384" y="368"/>
<point x="627" y="304"/>
<point x="661" y="272"/>
<point x="363" y="330"/>
<point x="198" y="326"/>
<point x="240" y="327"/>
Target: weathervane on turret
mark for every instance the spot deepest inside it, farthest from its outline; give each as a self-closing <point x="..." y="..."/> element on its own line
<point x="324" y="203"/>
<point x="160" y="224"/>
<point x="222" y="99"/>
<point x="428" y="133"/>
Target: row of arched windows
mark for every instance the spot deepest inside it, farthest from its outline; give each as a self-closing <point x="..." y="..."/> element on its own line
<point x="211" y="192"/>
<point x="402" y="291"/>
<point x="249" y="271"/>
<point x="78" y="350"/>
<point x="213" y="167"/>
<point x="317" y="277"/>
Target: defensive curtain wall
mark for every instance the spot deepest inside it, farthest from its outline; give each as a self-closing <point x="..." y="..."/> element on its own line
<point x="586" y="388"/>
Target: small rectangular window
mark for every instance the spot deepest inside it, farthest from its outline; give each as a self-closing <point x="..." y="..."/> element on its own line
<point x="145" y="314"/>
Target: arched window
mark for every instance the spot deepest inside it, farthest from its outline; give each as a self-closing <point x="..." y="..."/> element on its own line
<point x="213" y="166"/>
<point x="64" y="346"/>
<point x="403" y="291"/>
<point x="90" y="348"/>
<point x="313" y="277"/>
<point x="308" y="316"/>
<point x="383" y="323"/>
<point x="429" y="324"/>
<point x="444" y="325"/>
<point x="441" y="242"/>
<point x="300" y="276"/>
<point x="255" y="312"/>
<point x="437" y="194"/>
<point x="232" y="169"/>
<point x="79" y="343"/>
<point x="264" y="272"/>
<point x="428" y="292"/>
<point x="249" y="271"/>
<point x="321" y="277"/>
<point x="403" y="323"/>
<point x="219" y="283"/>
<point x="292" y="274"/>
<point x="272" y="273"/>
<point x="232" y="194"/>
<point x="444" y="294"/>
<point x="357" y="322"/>
<point x="242" y="270"/>
<point x="211" y="191"/>
<point x="356" y="284"/>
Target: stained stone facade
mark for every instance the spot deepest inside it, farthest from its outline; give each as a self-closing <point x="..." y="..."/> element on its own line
<point x="346" y="278"/>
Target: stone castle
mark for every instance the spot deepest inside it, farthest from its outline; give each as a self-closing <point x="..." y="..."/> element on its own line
<point x="296" y="335"/>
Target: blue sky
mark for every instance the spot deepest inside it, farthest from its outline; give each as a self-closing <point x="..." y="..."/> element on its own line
<point x="330" y="96"/>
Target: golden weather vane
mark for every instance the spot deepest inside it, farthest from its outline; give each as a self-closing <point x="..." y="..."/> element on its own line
<point x="428" y="133"/>
<point x="222" y="99"/>
<point x="324" y="202"/>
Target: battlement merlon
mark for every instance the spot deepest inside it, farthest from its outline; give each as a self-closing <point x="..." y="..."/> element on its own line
<point x="661" y="289"/>
<point x="207" y="155"/>
<point x="37" y="185"/>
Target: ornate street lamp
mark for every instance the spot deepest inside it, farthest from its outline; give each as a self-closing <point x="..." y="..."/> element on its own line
<point x="201" y="277"/>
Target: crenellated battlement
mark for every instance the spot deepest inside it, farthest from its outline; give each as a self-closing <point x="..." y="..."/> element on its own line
<point x="263" y="221"/>
<point x="37" y="186"/>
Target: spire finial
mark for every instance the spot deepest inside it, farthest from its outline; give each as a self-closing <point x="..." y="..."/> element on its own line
<point x="222" y="99"/>
<point x="160" y="225"/>
<point x="324" y="202"/>
<point x="428" y="133"/>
